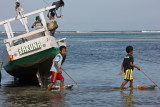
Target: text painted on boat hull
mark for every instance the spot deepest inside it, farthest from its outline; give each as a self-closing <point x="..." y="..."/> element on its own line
<point x="29" y="48"/>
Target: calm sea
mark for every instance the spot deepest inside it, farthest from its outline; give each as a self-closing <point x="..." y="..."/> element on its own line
<point x="93" y="61"/>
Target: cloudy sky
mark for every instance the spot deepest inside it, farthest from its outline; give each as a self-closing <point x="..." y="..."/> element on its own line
<point x="94" y="15"/>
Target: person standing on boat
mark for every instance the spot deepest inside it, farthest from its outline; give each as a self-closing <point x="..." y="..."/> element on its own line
<point x="56" y="69"/>
<point x="52" y="24"/>
<point x="37" y="24"/>
<point x="52" y="12"/>
<point x="128" y="67"/>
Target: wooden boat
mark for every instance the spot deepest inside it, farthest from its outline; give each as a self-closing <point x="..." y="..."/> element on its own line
<point x="142" y="87"/>
<point x="31" y="52"/>
<point x="66" y="87"/>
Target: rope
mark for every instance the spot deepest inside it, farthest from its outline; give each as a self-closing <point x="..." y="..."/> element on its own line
<point x="81" y="53"/>
<point x="120" y="54"/>
<point x="60" y="11"/>
<point x="150" y="79"/>
<point x="148" y="60"/>
<point x="71" y="78"/>
<point x="46" y="2"/>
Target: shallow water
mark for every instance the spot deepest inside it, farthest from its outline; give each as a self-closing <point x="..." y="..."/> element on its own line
<point x="94" y="60"/>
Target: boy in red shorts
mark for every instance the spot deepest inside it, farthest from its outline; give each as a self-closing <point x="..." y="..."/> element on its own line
<point x="56" y="69"/>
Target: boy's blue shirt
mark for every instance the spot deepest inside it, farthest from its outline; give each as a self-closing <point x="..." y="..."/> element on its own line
<point x="58" y="58"/>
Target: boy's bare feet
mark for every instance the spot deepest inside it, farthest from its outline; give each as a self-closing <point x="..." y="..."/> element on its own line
<point x="120" y="90"/>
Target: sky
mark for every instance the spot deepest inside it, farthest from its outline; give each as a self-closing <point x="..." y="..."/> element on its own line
<point x="93" y="15"/>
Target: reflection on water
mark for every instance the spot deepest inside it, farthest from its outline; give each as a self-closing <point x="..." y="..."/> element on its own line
<point x="128" y="98"/>
<point x="31" y="96"/>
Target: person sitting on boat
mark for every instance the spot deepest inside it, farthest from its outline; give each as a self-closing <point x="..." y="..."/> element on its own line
<point x="37" y="24"/>
<point x="56" y="69"/>
<point x="128" y="67"/>
<point x="20" y="14"/>
<point x="19" y="10"/>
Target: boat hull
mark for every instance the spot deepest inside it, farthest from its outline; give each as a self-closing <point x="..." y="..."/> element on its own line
<point x="27" y="67"/>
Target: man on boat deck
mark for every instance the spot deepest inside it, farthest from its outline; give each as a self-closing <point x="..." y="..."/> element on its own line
<point x="56" y="69"/>
<point x="37" y="24"/>
<point x="128" y="67"/>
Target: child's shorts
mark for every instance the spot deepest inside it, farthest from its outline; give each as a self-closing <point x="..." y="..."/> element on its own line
<point x="128" y="75"/>
<point x="56" y="76"/>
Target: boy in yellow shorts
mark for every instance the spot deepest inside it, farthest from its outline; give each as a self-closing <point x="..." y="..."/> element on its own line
<point x="128" y="67"/>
